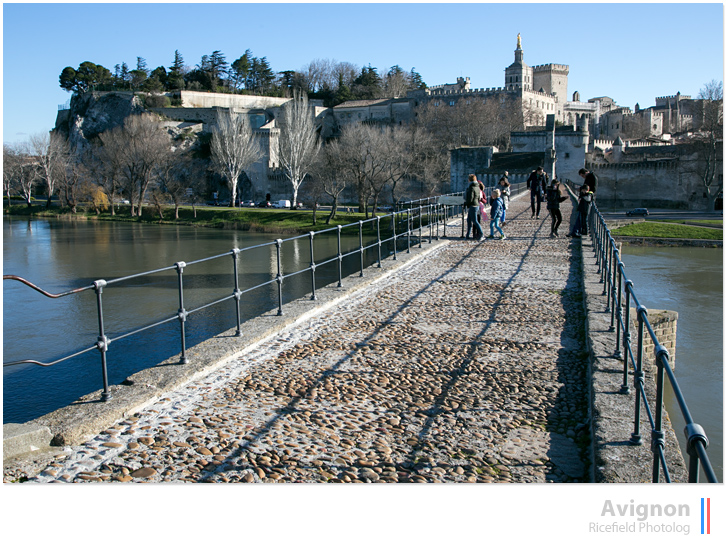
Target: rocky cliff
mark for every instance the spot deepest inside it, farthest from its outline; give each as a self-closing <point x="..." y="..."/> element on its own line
<point x="93" y="113"/>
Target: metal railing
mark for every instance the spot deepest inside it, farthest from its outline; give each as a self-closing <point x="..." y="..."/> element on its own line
<point x="402" y="227"/>
<point x="615" y="282"/>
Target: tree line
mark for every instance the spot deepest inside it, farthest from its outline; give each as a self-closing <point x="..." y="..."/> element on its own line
<point x="329" y="80"/>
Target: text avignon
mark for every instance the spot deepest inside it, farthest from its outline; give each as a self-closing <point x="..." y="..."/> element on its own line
<point x="643" y="511"/>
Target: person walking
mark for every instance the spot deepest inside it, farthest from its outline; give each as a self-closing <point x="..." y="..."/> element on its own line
<point x="537" y="185"/>
<point x="495" y="215"/>
<point x="554" y="198"/>
<point x="504" y="192"/>
<point x="471" y="202"/>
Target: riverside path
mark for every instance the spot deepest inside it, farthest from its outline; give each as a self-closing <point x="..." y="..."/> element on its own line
<point x="466" y="365"/>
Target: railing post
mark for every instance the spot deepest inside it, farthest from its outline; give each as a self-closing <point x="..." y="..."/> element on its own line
<point x="360" y="243"/>
<point x="395" y="237"/>
<point x="182" y="314"/>
<point x="237" y="292"/>
<point x="462" y="221"/>
<point x="408" y="231"/>
<point x="608" y="273"/>
<point x="431" y="224"/>
<point x="420" y="223"/>
<point x="378" y="230"/>
<point x="278" y="245"/>
<point x="312" y="264"/>
<point x="626" y="337"/>
<point x="658" y="437"/>
<point x="340" y="259"/>
<point x="103" y="342"/>
<point x="598" y="241"/>
<point x="446" y="217"/>
<point x="638" y="378"/>
<point x="619" y="275"/>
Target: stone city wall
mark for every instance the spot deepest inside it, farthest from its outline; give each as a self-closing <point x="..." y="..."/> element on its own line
<point x="650" y="184"/>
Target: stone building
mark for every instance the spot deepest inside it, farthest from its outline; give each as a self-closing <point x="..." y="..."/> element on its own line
<point x="560" y="150"/>
<point x="542" y="89"/>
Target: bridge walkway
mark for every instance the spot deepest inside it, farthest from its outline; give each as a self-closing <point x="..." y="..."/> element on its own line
<point x="466" y="365"/>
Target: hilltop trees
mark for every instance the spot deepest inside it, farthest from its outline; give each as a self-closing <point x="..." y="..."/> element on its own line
<point x="87" y="77"/>
<point x="326" y="79"/>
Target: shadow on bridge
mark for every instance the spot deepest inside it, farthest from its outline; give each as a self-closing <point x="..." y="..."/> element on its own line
<point x="560" y="414"/>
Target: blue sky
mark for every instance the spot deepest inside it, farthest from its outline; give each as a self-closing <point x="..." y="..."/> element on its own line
<point x="630" y="52"/>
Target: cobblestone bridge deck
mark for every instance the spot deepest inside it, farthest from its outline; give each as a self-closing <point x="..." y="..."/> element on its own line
<point x="467" y="364"/>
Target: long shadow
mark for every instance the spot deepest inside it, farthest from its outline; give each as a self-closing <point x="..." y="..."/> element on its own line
<point x="573" y="313"/>
<point x="292" y="405"/>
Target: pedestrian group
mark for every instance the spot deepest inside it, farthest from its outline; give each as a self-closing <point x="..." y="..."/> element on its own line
<point x="540" y="189"/>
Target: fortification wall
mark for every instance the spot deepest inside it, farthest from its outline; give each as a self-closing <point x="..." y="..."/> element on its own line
<point x="206" y="100"/>
<point x="671" y="184"/>
<point x="468" y="160"/>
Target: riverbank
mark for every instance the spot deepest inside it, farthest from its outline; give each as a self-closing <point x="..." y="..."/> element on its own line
<point x="262" y="220"/>
<point x="646" y="233"/>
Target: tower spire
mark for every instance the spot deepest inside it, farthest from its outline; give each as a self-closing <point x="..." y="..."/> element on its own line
<point x="518" y="53"/>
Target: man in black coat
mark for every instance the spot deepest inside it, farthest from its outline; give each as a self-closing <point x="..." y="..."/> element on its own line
<point x="590" y="180"/>
<point x="537" y="185"/>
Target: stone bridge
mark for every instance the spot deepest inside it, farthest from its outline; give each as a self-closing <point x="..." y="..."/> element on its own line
<point x="462" y="361"/>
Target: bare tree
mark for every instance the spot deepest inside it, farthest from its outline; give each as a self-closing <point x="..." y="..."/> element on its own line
<point x="73" y="180"/>
<point x="105" y="160"/>
<point x="234" y="148"/>
<point x="329" y="175"/>
<point x="147" y="144"/>
<point x="175" y="177"/>
<point x="11" y="165"/>
<point x="28" y="172"/>
<point x="709" y="139"/>
<point x="298" y="144"/>
<point x="49" y="150"/>
<point x="357" y="148"/>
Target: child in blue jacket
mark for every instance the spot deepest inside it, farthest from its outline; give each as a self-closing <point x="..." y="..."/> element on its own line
<point x="496" y="215"/>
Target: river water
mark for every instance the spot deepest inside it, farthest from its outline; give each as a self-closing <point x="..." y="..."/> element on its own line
<point x="689" y="281"/>
<point x="62" y="255"/>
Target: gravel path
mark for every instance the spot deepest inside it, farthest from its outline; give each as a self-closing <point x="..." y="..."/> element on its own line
<point x="468" y="366"/>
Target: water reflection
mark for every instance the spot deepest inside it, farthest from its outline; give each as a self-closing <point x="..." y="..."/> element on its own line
<point x="61" y="255"/>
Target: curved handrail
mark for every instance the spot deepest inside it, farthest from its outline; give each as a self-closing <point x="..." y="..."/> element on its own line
<point x="44" y="292"/>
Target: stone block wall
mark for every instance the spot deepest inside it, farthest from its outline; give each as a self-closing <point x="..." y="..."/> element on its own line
<point x="665" y="325"/>
<point x="468" y="160"/>
<point x="650" y="184"/>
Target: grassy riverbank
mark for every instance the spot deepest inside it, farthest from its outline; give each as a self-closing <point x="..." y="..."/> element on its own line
<point x="660" y="230"/>
<point x="267" y="220"/>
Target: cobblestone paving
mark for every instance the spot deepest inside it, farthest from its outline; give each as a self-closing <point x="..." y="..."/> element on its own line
<point x="465" y="367"/>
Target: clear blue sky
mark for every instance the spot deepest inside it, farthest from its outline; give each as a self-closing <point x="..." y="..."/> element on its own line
<point x="630" y="52"/>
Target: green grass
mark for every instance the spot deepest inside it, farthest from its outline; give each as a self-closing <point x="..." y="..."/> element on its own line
<point x="667" y="231"/>
<point x="714" y="223"/>
<point x="267" y="220"/>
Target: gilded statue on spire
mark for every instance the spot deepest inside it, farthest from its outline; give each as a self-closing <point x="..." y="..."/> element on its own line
<point x="519" y="41"/>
